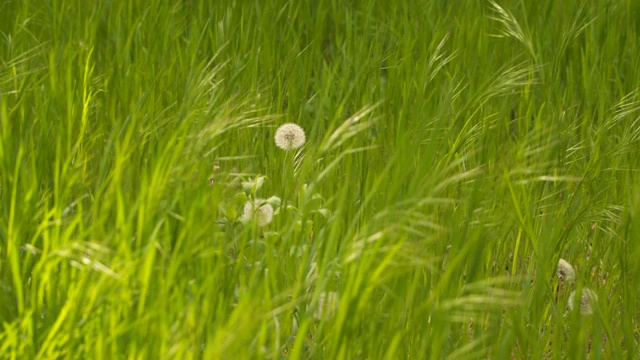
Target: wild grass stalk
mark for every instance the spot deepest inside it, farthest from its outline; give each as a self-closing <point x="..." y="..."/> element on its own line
<point x="453" y="155"/>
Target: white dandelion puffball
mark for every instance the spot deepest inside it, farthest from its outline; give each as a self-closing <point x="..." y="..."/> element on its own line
<point x="587" y="300"/>
<point x="327" y="306"/>
<point x="259" y="210"/>
<point x="290" y="136"/>
<point x="565" y="271"/>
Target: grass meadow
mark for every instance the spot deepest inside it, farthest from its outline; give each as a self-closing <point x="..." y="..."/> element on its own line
<point x="454" y="152"/>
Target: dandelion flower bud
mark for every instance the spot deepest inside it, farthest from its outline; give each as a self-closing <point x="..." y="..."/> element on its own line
<point x="259" y="210"/>
<point x="290" y="136"/>
<point x="588" y="298"/>
<point x="565" y="271"/>
<point x="327" y="306"/>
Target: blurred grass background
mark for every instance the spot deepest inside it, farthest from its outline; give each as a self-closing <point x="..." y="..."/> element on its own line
<point x="455" y="152"/>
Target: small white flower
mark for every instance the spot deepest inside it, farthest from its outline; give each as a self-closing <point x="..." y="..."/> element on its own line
<point x="290" y="136"/>
<point x="587" y="300"/>
<point x="565" y="271"/>
<point x="327" y="306"/>
<point x="259" y="210"/>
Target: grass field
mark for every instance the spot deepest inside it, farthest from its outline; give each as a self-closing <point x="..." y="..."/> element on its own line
<point x="454" y="152"/>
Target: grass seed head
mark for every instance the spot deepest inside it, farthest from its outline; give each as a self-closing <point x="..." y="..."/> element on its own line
<point x="327" y="306"/>
<point x="290" y="136"/>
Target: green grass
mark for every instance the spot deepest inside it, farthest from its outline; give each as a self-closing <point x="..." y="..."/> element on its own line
<point x="456" y="150"/>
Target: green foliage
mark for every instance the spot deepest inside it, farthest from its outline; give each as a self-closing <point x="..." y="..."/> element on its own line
<point x="455" y="152"/>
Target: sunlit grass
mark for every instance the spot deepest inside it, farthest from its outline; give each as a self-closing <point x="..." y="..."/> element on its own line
<point x="452" y="155"/>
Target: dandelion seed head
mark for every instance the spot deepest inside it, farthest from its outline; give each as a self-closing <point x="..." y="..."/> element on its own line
<point x="588" y="298"/>
<point x="290" y="136"/>
<point x="565" y="271"/>
<point x="327" y="306"/>
<point x="259" y="210"/>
